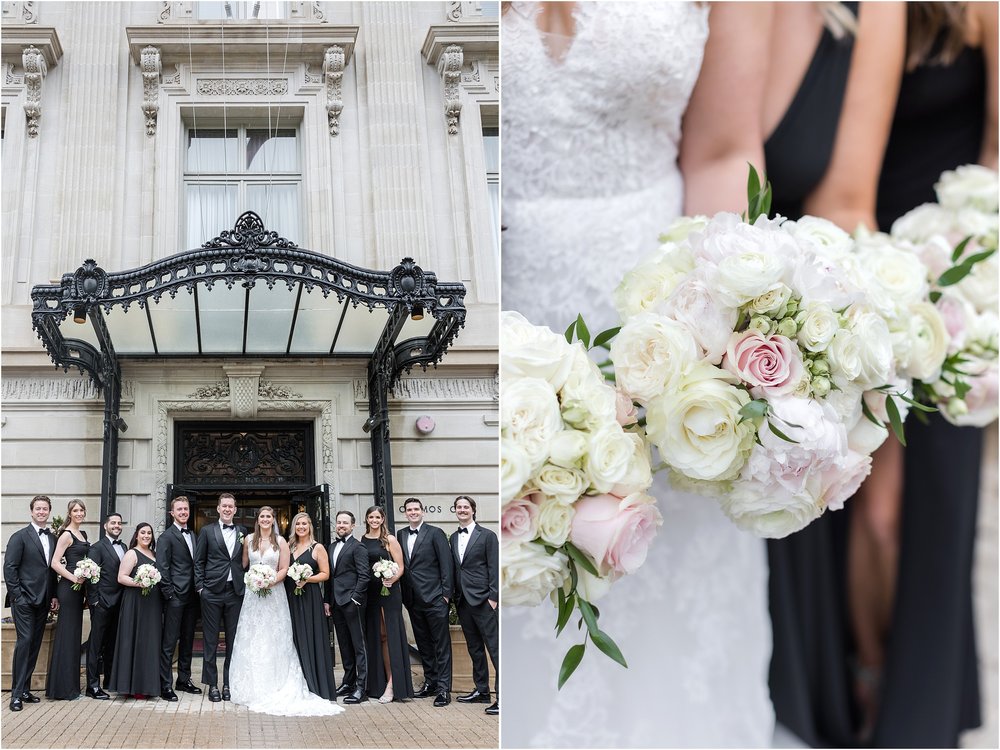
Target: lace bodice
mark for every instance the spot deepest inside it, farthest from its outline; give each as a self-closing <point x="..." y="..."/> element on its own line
<point x="266" y="555"/>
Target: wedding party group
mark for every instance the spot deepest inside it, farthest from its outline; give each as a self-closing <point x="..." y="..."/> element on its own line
<point x="748" y="357"/>
<point x="270" y="597"/>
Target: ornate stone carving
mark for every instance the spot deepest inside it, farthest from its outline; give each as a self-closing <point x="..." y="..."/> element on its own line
<point x="34" y="71"/>
<point x="317" y="12"/>
<point x="172" y="79"/>
<point x="244" y="386"/>
<point x="49" y="389"/>
<point x="267" y="390"/>
<point x="11" y="78"/>
<point x="450" y="68"/>
<point x="455" y="11"/>
<point x="437" y="389"/>
<point x="215" y="392"/>
<point x="243" y="86"/>
<point x="19" y="13"/>
<point x="150" y="63"/>
<point x="333" y="71"/>
<point x="165" y="11"/>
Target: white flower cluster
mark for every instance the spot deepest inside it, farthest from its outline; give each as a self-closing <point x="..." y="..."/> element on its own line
<point x="965" y="285"/>
<point x="87" y="569"/>
<point x="259" y="579"/>
<point x="299" y="572"/>
<point x="571" y="473"/>
<point x="146" y="576"/>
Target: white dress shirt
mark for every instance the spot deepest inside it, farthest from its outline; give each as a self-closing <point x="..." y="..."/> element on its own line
<point x="463" y="541"/>
<point x="230" y="537"/>
<point x="43" y="538"/>
<point x="118" y="548"/>
<point x="411" y="539"/>
<point x="189" y="539"/>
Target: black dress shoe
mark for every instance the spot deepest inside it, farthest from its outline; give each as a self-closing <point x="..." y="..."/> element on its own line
<point x="213" y="695"/>
<point x="426" y="691"/>
<point x="443" y="699"/>
<point x="169" y="695"/>
<point x="494" y="710"/>
<point x="474" y="697"/>
<point x="15" y="704"/>
<point x="225" y="693"/>
<point x="98" y="694"/>
<point x="188" y="687"/>
<point x="29" y="698"/>
<point x="358" y="696"/>
<point x="345" y="689"/>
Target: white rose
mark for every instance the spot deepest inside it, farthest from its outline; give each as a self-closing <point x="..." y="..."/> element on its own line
<point x="565" y="485"/>
<point x="609" y="456"/>
<point x="647" y="285"/>
<point x="639" y="474"/>
<point x="874" y="350"/>
<point x="821" y="236"/>
<point x="555" y="519"/>
<point x="697" y="428"/>
<point x="529" y="415"/>
<point x="588" y="401"/>
<point x="768" y="510"/>
<point x="529" y="573"/>
<point x="969" y="185"/>
<point x="515" y="469"/>
<point x="894" y="275"/>
<point x="929" y="343"/>
<point x="567" y="448"/>
<point x="921" y="223"/>
<point x="532" y="351"/>
<point x="710" y="322"/>
<point x="817" y="325"/>
<point x="773" y="301"/>
<point x="649" y="354"/>
<point x="747" y="274"/>
<point x="844" y="357"/>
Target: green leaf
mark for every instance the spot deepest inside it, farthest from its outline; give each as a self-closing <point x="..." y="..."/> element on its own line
<point x="574" y="578"/>
<point x="935" y="296"/>
<point x="894" y="419"/>
<point x="589" y="616"/>
<point x="753" y="183"/>
<point x="868" y="413"/>
<point x="916" y="404"/>
<point x="569" y="332"/>
<point x="959" y="249"/>
<point x="570" y="662"/>
<point x="581" y="331"/>
<point x="973" y="259"/>
<point x="961" y="388"/>
<point x="779" y="433"/>
<point x="604" y="337"/>
<point x="580" y="559"/>
<point x="607" y="646"/>
<point x="765" y="204"/>
<point x="565" y="611"/>
<point x="753" y="409"/>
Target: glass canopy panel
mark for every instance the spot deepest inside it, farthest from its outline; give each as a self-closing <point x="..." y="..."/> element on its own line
<point x="361" y="330"/>
<point x="221" y="315"/>
<point x="82" y="332"/>
<point x="270" y="319"/>
<point x="174" y="324"/>
<point x="129" y="330"/>
<point x="316" y="323"/>
<point x="416" y="328"/>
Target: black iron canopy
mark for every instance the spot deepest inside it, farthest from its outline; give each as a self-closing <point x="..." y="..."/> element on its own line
<point x="249" y="293"/>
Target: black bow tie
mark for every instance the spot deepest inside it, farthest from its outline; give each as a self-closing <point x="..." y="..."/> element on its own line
<point x="118" y="541"/>
<point x="188" y="531"/>
<point x="224" y="526"/>
<point x="339" y="539"/>
<point x="414" y="531"/>
<point x="463" y="531"/>
<point x="43" y="531"/>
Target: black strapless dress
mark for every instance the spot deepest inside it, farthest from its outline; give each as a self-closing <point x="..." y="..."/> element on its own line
<point x="311" y="631"/>
<point x="387" y="609"/>
<point x="63" y="682"/>
<point x="136" y="666"/>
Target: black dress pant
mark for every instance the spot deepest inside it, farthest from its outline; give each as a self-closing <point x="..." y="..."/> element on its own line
<point x="179" y="617"/>
<point x="101" y="647"/>
<point x="430" y="631"/>
<point x="349" y="626"/>
<point x="29" y="624"/>
<point x="218" y="611"/>
<point x="482" y="635"/>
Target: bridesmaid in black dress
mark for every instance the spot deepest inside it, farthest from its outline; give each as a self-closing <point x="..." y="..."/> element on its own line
<point x="136" y="668"/>
<point x="63" y="681"/>
<point x="385" y="635"/>
<point x="310" y="626"/>
<point x="946" y="117"/>
<point x="827" y="136"/>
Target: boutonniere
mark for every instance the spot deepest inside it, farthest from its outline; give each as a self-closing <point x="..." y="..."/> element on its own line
<point x="239" y="537"/>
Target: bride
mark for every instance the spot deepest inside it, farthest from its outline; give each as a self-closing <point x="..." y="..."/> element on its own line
<point x="265" y="674"/>
<point x="617" y="118"/>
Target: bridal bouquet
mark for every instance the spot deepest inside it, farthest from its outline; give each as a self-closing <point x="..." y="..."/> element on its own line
<point x="147" y="576"/>
<point x="259" y="579"/>
<point x="385" y="569"/>
<point x="299" y="572"/>
<point x="956" y="239"/>
<point x="574" y="469"/>
<point x="88" y="569"/>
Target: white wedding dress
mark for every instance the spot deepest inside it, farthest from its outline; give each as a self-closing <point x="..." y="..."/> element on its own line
<point x="590" y="179"/>
<point x="265" y="674"/>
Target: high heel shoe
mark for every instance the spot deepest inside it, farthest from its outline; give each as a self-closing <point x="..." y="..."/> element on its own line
<point x="386" y="696"/>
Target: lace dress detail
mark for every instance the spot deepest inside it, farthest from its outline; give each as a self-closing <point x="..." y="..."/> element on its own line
<point x="265" y="674"/>
<point x="590" y="180"/>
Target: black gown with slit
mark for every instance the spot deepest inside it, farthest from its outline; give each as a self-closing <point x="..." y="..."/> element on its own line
<point x="387" y="609"/>
<point x="136" y="666"/>
<point x="63" y="681"/>
<point x="311" y="631"/>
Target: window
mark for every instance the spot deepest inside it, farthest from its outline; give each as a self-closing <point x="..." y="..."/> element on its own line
<point x="238" y="11"/>
<point x="491" y="156"/>
<point x="236" y="169"/>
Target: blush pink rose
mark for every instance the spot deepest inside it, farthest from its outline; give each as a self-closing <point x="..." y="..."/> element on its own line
<point x="955" y="314"/>
<point x="841" y="481"/>
<point x="519" y="519"/>
<point x="616" y="532"/>
<point x="771" y="365"/>
<point x="625" y="411"/>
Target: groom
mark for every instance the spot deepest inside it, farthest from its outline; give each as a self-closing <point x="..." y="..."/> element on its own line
<point x="218" y="578"/>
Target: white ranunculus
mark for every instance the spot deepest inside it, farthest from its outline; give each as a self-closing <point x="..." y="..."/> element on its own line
<point x="894" y="274"/>
<point x="710" y="321"/>
<point x="697" y="428"/>
<point x="649" y="354"/>
<point x="930" y="342"/>
<point x="529" y="573"/>
<point x="529" y="416"/>
<point x="817" y="325"/>
<point x="567" y="448"/>
<point x="844" y="357"/>
<point x="515" y="469"/>
<point x="530" y="351"/>
<point x="980" y="286"/>
<point x="923" y="222"/>
<point x="609" y="456"/>
<point x="772" y="302"/>
<point x="565" y="485"/>
<point x="970" y="185"/>
<point x="587" y="401"/>
<point x="822" y="236"/>
<point x="555" y="518"/>
<point x="647" y="285"/>
<point x="874" y="351"/>
<point x="747" y="274"/>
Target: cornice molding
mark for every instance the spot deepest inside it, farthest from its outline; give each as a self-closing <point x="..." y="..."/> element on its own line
<point x="15" y="39"/>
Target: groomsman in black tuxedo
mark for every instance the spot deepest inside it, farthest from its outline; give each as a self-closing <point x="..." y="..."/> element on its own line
<point x="428" y="580"/>
<point x="218" y="579"/>
<point x="476" y="552"/>
<point x="345" y="603"/>
<point x="31" y="586"/>
<point x="175" y="560"/>
<point x="105" y="601"/>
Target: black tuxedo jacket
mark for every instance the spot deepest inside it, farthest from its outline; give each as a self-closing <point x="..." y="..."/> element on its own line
<point x="350" y="576"/>
<point x="176" y="566"/>
<point x="477" y="575"/>
<point x="212" y="561"/>
<point x="26" y="568"/>
<point x="429" y="572"/>
<point x="106" y="591"/>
